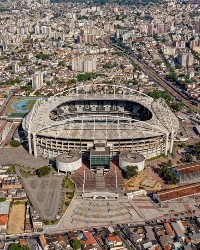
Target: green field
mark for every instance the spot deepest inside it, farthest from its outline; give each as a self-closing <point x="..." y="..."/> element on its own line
<point x="16" y="115"/>
<point x="29" y="105"/>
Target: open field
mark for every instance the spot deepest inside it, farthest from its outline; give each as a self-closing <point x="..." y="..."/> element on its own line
<point x="16" y="219"/>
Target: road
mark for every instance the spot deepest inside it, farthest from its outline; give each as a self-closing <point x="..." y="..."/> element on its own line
<point x="162" y="82"/>
<point x="3" y="107"/>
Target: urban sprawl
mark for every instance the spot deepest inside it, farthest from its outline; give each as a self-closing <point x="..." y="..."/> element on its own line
<point x="99" y="125"/>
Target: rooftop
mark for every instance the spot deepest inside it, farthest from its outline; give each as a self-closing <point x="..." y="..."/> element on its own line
<point x="131" y="157"/>
<point x="3" y="219"/>
<point x="190" y="168"/>
<point x="162" y="121"/>
<point x="4" y="207"/>
<point x="179" y="192"/>
<point x="73" y="155"/>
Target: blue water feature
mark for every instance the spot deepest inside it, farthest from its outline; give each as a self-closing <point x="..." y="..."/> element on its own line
<point x="19" y="106"/>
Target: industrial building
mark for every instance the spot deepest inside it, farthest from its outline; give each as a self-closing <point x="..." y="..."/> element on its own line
<point x="188" y="172"/>
<point x="178" y="193"/>
<point x="119" y="117"/>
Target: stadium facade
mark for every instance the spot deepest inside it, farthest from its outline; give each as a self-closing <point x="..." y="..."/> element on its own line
<point x="119" y="117"/>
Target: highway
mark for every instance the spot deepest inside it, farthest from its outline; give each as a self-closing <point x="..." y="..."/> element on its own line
<point x="162" y="82"/>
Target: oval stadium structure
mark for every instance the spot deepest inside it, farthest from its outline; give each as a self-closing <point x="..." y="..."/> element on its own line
<point x="119" y="117"/>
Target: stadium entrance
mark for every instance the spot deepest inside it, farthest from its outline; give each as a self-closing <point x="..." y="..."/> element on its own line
<point x="100" y="158"/>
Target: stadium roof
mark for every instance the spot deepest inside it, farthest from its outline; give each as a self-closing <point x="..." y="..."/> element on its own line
<point x="163" y="121"/>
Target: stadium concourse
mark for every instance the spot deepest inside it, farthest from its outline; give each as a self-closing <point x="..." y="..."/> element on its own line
<point x="119" y="117"/>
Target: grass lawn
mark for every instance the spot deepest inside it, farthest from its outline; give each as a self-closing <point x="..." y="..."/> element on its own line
<point x="16" y="115"/>
<point x="29" y="105"/>
<point x="67" y="183"/>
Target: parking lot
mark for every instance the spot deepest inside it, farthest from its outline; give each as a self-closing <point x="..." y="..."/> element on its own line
<point x="19" y="156"/>
<point x="45" y="195"/>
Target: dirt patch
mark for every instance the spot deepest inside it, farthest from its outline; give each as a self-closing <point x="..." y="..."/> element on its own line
<point x="16" y="219"/>
<point x="134" y="183"/>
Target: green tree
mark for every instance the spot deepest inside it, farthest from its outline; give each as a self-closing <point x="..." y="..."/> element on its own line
<point x="167" y="173"/>
<point x="131" y="171"/>
<point x="109" y="65"/>
<point x="50" y="94"/>
<point x="177" y="106"/>
<point x="196" y="150"/>
<point x="10" y="170"/>
<point x="86" y="77"/>
<point x="61" y="63"/>
<point x="188" y="158"/>
<point x="16" y="246"/>
<point x="156" y="94"/>
<point x="26" y="87"/>
<point x="45" y="170"/>
<point x="15" y="143"/>
<point x="76" y="244"/>
<point x="42" y="56"/>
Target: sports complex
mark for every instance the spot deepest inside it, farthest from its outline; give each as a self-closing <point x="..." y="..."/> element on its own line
<point x="116" y="116"/>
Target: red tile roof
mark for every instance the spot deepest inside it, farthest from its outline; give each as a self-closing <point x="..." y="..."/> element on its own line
<point x="114" y="238"/>
<point x="179" y="192"/>
<point x="190" y="168"/>
<point x="90" y="239"/>
<point x="3" y="219"/>
<point x="169" y="229"/>
<point x="43" y="240"/>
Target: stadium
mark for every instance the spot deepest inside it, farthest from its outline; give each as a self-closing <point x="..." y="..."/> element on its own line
<point x="116" y="116"/>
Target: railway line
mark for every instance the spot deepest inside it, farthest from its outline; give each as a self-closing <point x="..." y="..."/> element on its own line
<point x="162" y="82"/>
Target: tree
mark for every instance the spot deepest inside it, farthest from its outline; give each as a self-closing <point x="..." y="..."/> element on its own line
<point x="196" y="150"/>
<point x="61" y="63"/>
<point x="43" y="171"/>
<point x="86" y="77"/>
<point x="15" y="143"/>
<point x="76" y="244"/>
<point x="131" y="171"/>
<point x="177" y="106"/>
<point x="42" y="56"/>
<point x="16" y="246"/>
<point x="188" y="158"/>
<point x="156" y="94"/>
<point x="26" y="87"/>
<point x="167" y="173"/>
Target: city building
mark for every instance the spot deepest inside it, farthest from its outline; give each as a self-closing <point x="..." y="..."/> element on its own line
<point x="37" y="80"/>
<point x="4" y="214"/>
<point x="185" y="59"/>
<point x="85" y="64"/>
